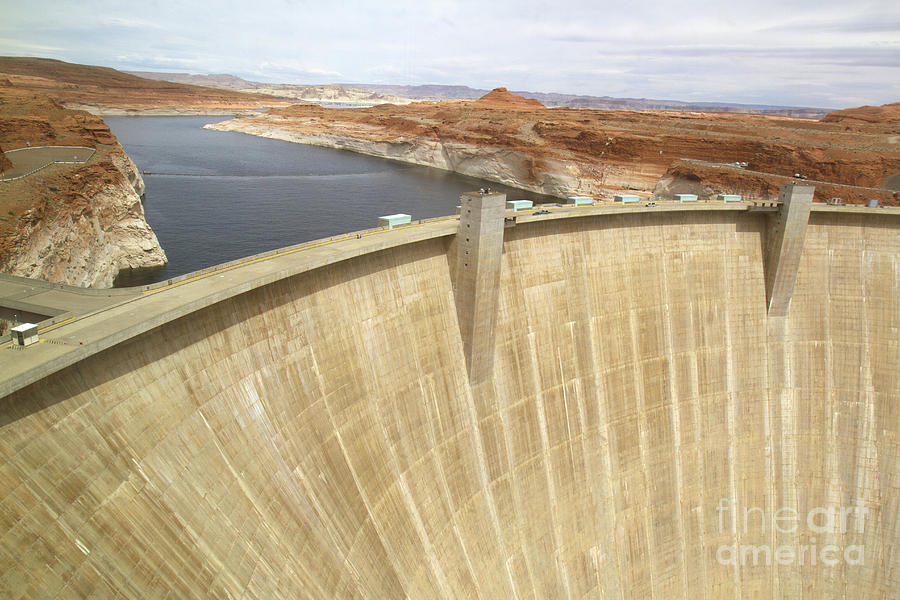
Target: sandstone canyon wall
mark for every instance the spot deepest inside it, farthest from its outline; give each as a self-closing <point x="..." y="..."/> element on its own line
<point x="561" y="152"/>
<point x="71" y="223"/>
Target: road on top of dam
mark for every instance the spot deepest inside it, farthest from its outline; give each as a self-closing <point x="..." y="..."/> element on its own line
<point x="88" y="321"/>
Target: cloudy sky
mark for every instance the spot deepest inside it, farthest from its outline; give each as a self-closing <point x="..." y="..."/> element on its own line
<point x="821" y="53"/>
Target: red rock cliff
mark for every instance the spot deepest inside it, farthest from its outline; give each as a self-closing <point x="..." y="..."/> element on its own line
<point x="75" y="224"/>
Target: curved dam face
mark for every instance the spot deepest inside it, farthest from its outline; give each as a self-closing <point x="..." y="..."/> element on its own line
<point x="646" y="429"/>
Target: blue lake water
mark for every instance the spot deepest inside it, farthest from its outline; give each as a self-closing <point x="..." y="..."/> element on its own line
<point x="215" y="196"/>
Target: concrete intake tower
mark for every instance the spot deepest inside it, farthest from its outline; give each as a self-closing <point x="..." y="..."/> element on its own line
<point x="695" y="401"/>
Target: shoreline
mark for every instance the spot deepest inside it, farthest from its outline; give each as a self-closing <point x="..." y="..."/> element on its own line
<point x="565" y="153"/>
<point x="499" y="165"/>
<point x="100" y="111"/>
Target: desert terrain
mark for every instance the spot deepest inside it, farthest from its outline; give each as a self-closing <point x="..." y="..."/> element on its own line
<point x="105" y="91"/>
<point x="560" y="151"/>
<point x="328" y="94"/>
<point x="366" y="94"/>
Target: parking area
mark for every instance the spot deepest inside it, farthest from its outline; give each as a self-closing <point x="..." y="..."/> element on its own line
<point x="29" y="160"/>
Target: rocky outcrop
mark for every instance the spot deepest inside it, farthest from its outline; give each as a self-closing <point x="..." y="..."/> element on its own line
<point x="502" y="98"/>
<point x="5" y="164"/>
<point x="74" y="224"/>
<point x="884" y="114"/>
<point x="86" y="231"/>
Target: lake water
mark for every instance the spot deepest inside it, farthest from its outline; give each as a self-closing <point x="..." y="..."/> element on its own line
<point x="215" y="196"/>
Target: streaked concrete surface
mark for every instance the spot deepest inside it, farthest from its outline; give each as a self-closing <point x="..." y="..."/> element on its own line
<point x="303" y="425"/>
<point x="476" y="277"/>
<point x="785" y="240"/>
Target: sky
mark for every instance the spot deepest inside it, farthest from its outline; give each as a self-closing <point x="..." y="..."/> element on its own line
<point x="819" y="53"/>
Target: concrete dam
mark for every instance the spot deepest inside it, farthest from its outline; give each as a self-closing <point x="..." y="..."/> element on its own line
<point x="697" y="401"/>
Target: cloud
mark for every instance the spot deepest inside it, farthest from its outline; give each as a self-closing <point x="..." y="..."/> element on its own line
<point x="23" y="48"/>
<point x="296" y="70"/>
<point x="857" y="56"/>
<point x="130" y="23"/>
<point x="156" y="63"/>
<point x="806" y="52"/>
<point x="879" y="23"/>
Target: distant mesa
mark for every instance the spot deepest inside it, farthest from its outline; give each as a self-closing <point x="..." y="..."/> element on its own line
<point x="886" y="113"/>
<point x="102" y="89"/>
<point x="502" y="98"/>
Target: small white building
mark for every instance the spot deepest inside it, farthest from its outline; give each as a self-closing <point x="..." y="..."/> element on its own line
<point x="391" y="221"/>
<point x="626" y="198"/>
<point x="519" y="204"/>
<point x="686" y="197"/>
<point x="25" y="334"/>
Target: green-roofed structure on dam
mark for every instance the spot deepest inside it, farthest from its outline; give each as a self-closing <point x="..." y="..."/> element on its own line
<point x="694" y="401"/>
